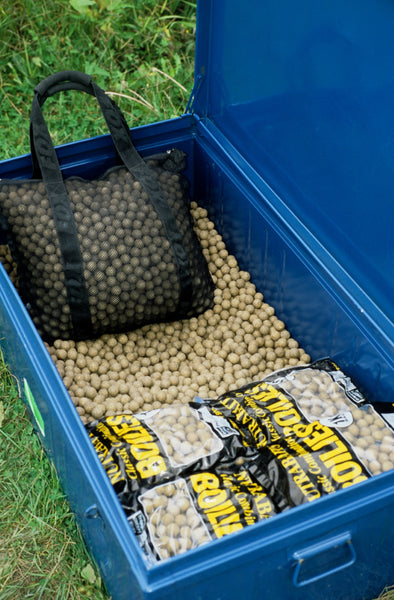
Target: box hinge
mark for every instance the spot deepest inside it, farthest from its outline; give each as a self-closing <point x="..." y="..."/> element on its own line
<point x="195" y="91"/>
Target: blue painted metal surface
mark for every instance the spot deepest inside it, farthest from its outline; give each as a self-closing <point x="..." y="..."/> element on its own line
<point x="305" y="91"/>
<point x="289" y="145"/>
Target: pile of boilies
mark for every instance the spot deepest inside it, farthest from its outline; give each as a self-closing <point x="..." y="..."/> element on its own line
<point x="8" y="263"/>
<point x="125" y="253"/>
<point x="237" y="341"/>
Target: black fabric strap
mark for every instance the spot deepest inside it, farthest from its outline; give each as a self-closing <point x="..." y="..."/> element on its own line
<point x="140" y="170"/>
<point x="4" y="229"/>
<point x="66" y="230"/>
<point x="77" y="293"/>
<point x="59" y="78"/>
<point x="150" y="184"/>
<point x="46" y="165"/>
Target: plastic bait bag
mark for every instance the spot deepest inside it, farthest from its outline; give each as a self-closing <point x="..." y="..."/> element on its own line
<point x="190" y="511"/>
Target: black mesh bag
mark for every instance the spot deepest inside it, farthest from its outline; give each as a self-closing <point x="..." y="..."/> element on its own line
<point x="103" y="255"/>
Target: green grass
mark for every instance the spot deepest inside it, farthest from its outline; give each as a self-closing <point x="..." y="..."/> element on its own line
<point x="42" y="554"/>
<point x="142" y="52"/>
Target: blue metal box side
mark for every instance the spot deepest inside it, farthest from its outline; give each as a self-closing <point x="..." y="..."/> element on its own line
<point x="90" y="157"/>
<point x="263" y="202"/>
<point x="239" y="565"/>
<point x="265" y="557"/>
<point x="66" y="443"/>
<point x="309" y="291"/>
<point x="304" y="92"/>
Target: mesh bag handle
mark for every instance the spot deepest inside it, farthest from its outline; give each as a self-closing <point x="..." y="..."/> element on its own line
<point x="40" y="141"/>
<point x="46" y="165"/>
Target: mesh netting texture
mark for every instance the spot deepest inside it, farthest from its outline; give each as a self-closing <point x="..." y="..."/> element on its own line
<point x="130" y="270"/>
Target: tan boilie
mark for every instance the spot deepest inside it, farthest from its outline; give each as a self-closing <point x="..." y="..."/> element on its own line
<point x="238" y="340"/>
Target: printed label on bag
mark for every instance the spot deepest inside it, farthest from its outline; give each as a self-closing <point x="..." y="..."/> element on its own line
<point x="310" y="459"/>
<point x="154" y="446"/>
<point x="343" y="419"/>
<point x="192" y="510"/>
<point x="252" y="453"/>
<point x="130" y="452"/>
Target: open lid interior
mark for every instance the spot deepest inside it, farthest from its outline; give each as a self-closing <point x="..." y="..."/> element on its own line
<point x="305" y="92"/>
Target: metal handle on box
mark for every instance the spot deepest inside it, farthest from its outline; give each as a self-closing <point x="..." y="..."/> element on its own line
<point x="323" y="559"/>
<point x="92" y="512"/>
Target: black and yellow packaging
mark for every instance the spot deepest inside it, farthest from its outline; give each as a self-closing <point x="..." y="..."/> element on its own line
<point x="187" y="474"/>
